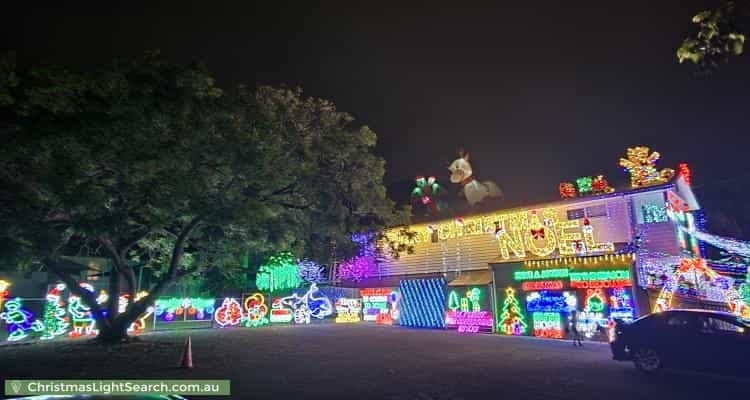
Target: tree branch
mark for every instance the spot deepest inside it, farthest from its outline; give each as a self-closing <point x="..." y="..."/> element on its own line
<point x="120" y="268"/>
<point x="179" y="246"/>
<point x="128" y="245"/>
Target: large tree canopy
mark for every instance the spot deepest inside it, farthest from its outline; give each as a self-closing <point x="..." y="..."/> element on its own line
<point x="721" y="34"/>
<point x="149" y="163"/>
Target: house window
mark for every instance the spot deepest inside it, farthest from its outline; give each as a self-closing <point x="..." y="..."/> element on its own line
<point x="654" y="213"/>
<point x="577" y="213"/>
<point x="596" y="211"/>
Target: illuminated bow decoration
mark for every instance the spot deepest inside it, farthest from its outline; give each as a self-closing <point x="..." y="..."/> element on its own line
<point x="537" y="233"/>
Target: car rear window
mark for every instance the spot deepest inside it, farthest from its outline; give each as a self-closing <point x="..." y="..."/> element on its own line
<point x="720" y="325"/>
<point x="678" y="321"/>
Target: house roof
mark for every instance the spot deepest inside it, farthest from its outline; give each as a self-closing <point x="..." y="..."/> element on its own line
<point x="472" y="278"/>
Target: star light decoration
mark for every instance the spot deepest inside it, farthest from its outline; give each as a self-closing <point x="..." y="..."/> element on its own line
<point x="425" y="191"/>
<point x="641" y="165"/>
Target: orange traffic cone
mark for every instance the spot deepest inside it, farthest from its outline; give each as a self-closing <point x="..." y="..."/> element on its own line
<point x="187" y="355"/>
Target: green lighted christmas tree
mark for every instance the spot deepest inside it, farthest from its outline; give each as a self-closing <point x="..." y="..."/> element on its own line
<point x="512" y="321"/>
<point x="453" y="304"/>
<point x="54" y="323"/>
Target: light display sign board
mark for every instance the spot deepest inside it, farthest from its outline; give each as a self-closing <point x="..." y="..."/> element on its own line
<point x="312" y="304"/>
<point x="255" y="310"/>
<point x="469" y="321"/>
<point x="183" y="312"/>
<point x="465" y="311"/>
<point x="600" y="279"/>
<point x="548" y="301"/>
<point x="548" y="325"/>
<point x="422" y="303"/>
<point x="380" y="305"/>
<point x="539" y="274"/>
<point x="348" y="310"/>
<point x="279" y="313"/>
<point x="541" y="285"/>
<point x="229" y="313"/>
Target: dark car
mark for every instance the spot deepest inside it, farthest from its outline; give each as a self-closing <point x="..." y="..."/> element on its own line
<point x="685" y="339"/>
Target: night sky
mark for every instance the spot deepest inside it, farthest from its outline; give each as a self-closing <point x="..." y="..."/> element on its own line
<point x="537" y="93"/>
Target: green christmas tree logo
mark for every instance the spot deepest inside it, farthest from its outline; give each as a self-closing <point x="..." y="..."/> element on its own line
<point x="512" y="321"/>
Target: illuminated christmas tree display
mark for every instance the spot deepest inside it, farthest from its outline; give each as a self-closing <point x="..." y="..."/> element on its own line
<point x="278" y="273"/>
<point x="453" y="302"/>
<point x="55" y="322"/>
<point x="512" y="321"/>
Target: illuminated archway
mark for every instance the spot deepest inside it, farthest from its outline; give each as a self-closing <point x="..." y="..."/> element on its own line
<point x="695" y="272"/>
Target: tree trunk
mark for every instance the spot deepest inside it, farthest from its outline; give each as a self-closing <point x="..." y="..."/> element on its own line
<point x="113" y="302"/>
<point x="116" y="332"/>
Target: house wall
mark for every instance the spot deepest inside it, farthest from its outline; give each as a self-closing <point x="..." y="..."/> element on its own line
<point x="450" y="247"/>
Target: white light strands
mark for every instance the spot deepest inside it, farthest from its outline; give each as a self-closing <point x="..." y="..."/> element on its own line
<point x="310" y="271"/>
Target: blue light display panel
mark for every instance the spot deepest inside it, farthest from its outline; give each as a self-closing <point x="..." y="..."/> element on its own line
<point x="423" y="303"/>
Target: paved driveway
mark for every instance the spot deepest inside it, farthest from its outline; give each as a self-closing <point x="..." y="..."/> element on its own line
<point x="371" y="362"/>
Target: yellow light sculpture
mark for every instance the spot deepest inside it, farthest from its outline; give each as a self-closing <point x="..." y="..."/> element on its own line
<point x="642" y="167"/>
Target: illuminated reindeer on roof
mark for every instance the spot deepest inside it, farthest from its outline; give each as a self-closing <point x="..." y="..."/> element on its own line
<point x="474" y="190"/>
